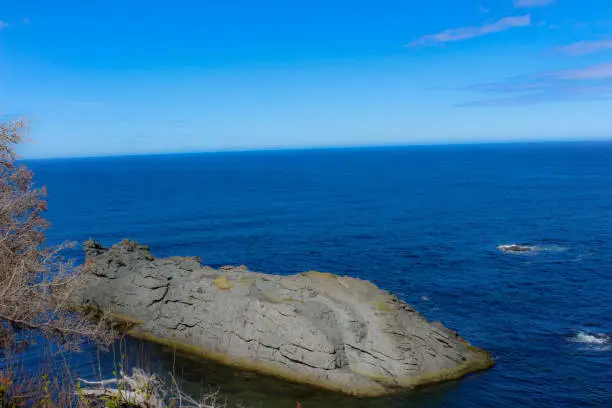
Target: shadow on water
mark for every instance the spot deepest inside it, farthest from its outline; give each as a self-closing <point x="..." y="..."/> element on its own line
<point x="249" y="389"/>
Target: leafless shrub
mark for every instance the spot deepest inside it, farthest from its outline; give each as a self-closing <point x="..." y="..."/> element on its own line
<point x="36" y="282"/>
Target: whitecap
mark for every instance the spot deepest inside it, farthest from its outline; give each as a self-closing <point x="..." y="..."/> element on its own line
<point x="590" y="338"/>
<point x="425" y="298"/>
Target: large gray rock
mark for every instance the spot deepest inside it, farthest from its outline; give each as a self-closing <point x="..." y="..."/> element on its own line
<point x="336" y="332"/>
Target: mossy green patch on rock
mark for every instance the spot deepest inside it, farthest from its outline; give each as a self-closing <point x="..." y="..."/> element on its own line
<point x="222" y="282"/>
<point x="247" y="279"/>
<point x="382" y="306"/>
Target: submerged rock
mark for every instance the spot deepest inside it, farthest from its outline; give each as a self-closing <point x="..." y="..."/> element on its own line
<point x="517" y="248"/>
<point x="340" y="333"/>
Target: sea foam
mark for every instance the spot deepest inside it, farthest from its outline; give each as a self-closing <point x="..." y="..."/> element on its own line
<point x="529" y="248"/>
<point x="590" y="338"/>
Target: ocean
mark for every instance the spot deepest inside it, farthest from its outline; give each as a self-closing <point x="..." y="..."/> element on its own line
<point x="423" y="222"/>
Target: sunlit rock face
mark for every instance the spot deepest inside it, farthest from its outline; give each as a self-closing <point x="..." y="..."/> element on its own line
<point x="335" y="332"/>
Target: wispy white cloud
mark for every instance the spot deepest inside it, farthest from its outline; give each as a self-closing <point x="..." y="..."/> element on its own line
<point x="585" y="47"/>
<point x="537" y="98"/>
<point x="4" y="24"/>
<point x="599" y="71"/>
<point x="465" y="33"/>
<point x="589" y="83"/>
<point x="551" y="86"/>
<point x="532" y="3"/>
<point x="509" y="87"/>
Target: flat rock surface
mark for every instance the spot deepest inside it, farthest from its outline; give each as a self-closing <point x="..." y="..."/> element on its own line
<point x="335" y="332"/>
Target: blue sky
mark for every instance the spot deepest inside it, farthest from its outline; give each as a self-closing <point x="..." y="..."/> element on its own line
<point x="120" y="77"/>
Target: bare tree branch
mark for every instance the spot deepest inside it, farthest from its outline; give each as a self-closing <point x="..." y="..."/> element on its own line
<point x="35" y="280"/>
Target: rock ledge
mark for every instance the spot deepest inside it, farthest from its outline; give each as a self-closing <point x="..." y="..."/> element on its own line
<point x="339" y="333"/>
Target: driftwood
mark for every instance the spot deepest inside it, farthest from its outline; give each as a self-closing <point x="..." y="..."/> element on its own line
<point x="143" y="391"/>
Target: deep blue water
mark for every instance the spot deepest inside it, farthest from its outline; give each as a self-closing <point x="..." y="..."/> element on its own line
<point x="423" y="222"/>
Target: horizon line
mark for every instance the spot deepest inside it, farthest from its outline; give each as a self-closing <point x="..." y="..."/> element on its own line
<point x="317" y="147"/>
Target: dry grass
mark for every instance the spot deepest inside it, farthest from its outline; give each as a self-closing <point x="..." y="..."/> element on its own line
<point x="47" y="384"/>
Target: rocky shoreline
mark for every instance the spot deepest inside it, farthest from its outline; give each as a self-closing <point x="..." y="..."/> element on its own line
<point x="339" y="333"/>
